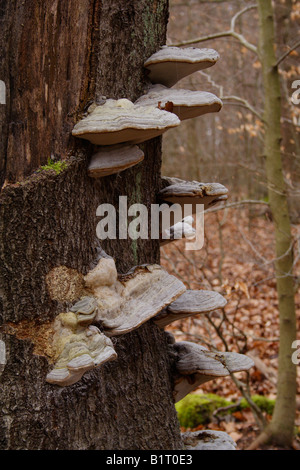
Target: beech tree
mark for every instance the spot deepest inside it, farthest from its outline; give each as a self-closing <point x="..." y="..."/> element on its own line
<point x="56" y="59"/>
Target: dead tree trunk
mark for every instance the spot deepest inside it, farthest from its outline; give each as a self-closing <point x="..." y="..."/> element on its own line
<point x="58" y="56"/>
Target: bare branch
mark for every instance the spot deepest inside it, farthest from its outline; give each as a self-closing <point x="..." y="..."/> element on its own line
<point x="281" y="59"/>
<point x="240" y="13"/>
<point x="243" y="103"/>
<point x="231" y="32"/>
<point x="236" y="204"/>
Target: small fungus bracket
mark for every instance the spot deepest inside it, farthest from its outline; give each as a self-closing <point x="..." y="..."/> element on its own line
<point x="170" y="64"/>
<point x="186" y="104"/>
<point x="178" y="191"/>
<point x="196" y="365"/>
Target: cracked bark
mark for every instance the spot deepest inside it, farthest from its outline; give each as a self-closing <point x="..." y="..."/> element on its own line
<point x="56" y="57"/>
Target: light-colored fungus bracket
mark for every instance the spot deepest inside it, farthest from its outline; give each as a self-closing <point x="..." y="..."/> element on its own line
<point x="196" y="365"/>
<point x="191" y="302"/>
<point x="2" y="356"/>
<point x="78" y="352"/>
<point x="113" y="159"/>
<point x="118" y="121"/>
<point x="170" y="64"/>
<point x="182" y="229"/>
<point x="133" y="298"/>
<point x="186" y="104"/>
<point x="178" y="191"/>
<point x="207" y="440"/>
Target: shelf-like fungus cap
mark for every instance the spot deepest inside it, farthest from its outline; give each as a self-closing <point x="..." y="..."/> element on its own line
<point x="146" y="291"/>
<point x="186" y="104"/>
<point x="193" y="358"/>
<point x="170" y="64"/>
<point x="207" y="440"/>
<point x="196" y="365"/>
<point x="178" y="191"/>
<point x="118" y="121"/>
<point x="85" y="310"/>
<point x="81" y="352"/>
<point x="182" y="229"/>
<point x="191" y="302"/>
<point x="113" y="159"/>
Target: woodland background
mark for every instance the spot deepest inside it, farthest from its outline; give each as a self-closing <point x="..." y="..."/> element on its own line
<point x="238" y="256"/>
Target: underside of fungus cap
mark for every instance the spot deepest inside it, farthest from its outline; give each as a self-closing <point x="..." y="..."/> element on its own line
<point x="186" y="104"/>
<point x="170" y="64"/>
<point x="191" y="302"/>
<point x="118" y="121"/>
<point x="196" y="365"/>
<point x="183" y="192"/>
<point x="113" y="159"/>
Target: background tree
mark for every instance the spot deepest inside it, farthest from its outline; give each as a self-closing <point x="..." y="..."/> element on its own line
<point x="259" y="133"/>
<point x="56" y="57"/>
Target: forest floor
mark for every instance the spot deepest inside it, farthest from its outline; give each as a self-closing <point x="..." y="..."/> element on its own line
<point x="237" y="260"/>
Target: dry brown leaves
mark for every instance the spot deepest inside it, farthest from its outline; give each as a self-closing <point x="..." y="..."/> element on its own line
<point x="237" y="261"/>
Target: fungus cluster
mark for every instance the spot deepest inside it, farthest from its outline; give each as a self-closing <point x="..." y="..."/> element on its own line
<point x="121" y="124"/>
<point x="109" y="305"/>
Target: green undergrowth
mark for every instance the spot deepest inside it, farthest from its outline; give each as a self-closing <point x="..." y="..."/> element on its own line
<point x="195" y="409"/>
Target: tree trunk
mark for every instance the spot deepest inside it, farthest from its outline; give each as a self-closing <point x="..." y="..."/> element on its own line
<point x="282" y="425"/>
<point x="57" y="56"/>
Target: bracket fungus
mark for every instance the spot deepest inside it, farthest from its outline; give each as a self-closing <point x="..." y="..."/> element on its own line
<point x="191" y="302"/>
<point x="186" y="104"/>
<point x="207" y="440"/>
<point x="181" y="229"/>
<point x="78" y="350"/>
<point x="196" y="365"/>
<point x="113" y="159"/>
<point x="118" y="121"/>
<point x="170" y="64"/>
<point x="133" y="298"/>
<point x="178" y="191"/>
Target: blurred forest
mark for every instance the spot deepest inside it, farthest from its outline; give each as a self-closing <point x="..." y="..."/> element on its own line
<point x="227" y="147"/>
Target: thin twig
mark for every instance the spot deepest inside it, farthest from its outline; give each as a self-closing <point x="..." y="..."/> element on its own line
<point x="281" y="59"/>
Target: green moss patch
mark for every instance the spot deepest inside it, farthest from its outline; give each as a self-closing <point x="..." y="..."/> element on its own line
<point x="195" y="409"/>
<point x="58" y="166"/>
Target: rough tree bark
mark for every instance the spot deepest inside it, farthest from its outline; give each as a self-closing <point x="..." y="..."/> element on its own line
<point x="56" y="57"/>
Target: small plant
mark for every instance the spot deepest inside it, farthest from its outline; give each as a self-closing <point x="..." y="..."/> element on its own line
<point x="58" y="166"/>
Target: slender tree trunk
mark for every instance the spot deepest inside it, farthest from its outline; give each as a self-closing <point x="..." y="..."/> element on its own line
<point x="282" y="424"/>
<point x="57" y="56"/>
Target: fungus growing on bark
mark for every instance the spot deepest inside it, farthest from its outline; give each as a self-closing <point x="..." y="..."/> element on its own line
<point x="170" y="64"/>
<point x="113" y="159"/>
<point x="178" y="191"/>
<point x="196" y="365"/>
<point x="191" y="302"/>
<point x="207" y="440"/>
<point x="85" y="309"/>
<point x="118" y="121"/>
<point x="77" y="351"/>
<point x="134" y="298"/>
<point x="186" y="104"/>
<point x="182" y="229"/>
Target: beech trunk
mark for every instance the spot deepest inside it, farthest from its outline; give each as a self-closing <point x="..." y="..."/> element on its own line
<point x="56" y="58"/>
